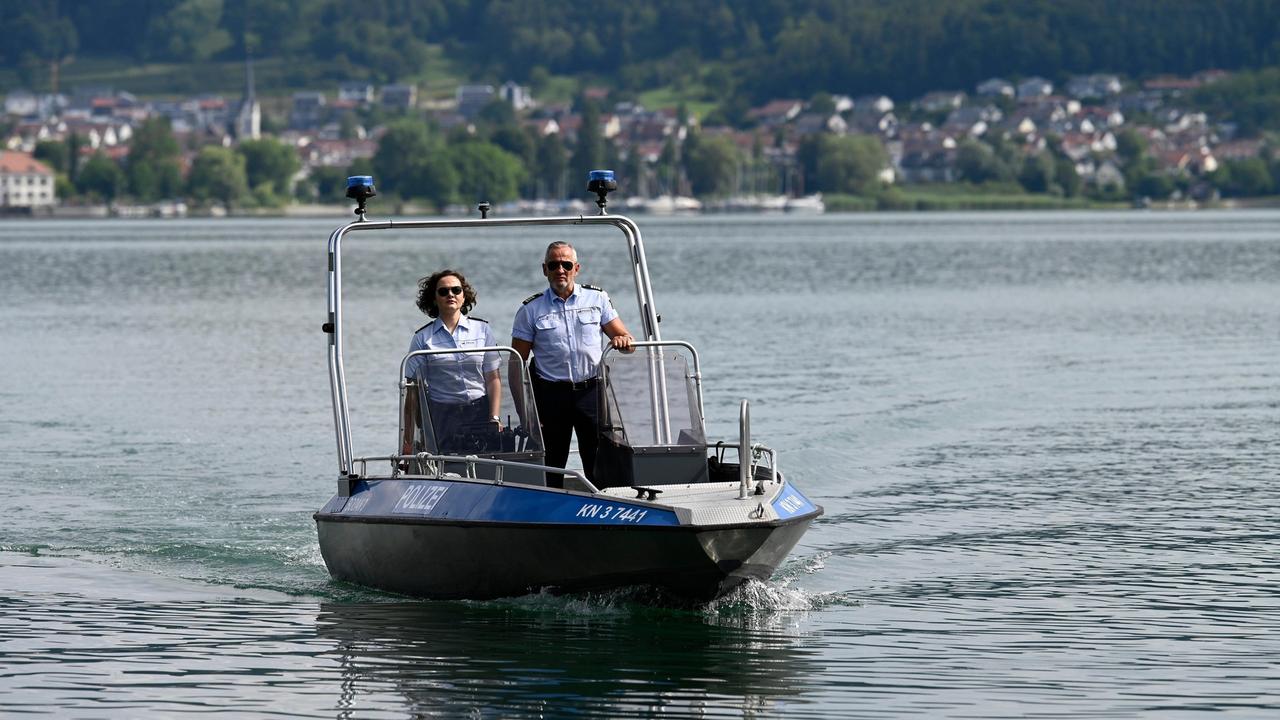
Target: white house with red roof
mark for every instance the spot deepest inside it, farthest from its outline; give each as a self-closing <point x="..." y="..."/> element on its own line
<point x="25" y="182"/>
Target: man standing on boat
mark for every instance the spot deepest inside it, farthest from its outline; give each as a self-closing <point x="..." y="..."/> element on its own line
<point x="565" y="327"/>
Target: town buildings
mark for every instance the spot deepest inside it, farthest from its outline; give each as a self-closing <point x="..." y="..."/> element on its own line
<point x="922" y="136"/>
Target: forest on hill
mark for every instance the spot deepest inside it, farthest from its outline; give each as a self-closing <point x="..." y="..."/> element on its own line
<point x="731" y="53"/>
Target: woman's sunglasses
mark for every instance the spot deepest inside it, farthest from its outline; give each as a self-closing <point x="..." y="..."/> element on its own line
<point x="446" y="291"/>
<point x="565" y="265"/>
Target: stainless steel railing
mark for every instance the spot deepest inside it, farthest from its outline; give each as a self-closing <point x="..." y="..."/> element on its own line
<point x="435" y="463"/>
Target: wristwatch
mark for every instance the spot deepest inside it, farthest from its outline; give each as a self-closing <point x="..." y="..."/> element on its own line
<point x="496" y="419"/>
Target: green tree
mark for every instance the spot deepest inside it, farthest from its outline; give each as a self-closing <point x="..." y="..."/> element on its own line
<point x="551" y="165"/>
<point x="154" y="166"/>
<point x="39" y="39"/>
<point x="1066" y="177"/>
<point x="631" y="174"/>
<point x="712" y="164"/>
<point x="732" y="111"/>
<point x="539" y="78"/>
<point x="850" y="164"/>
<point x="486" y="172"/>
<point x="379" y="48"/>
<point x="189" y="31"/>
<point x="53" y="153"/>
<point x="1250" y="99"/>
<point x="412" y="163"/>
<point x="74" y="143"/>
<point x="588" y="153"/>
<point x="822" y="103"/>
<point x="808" y="152"/>
<point x="348" y="126"/>
<point x="323" y="184"/>
<point x="400" y="154"/>
<point x="1155" y="185"/>
<point x="271" y="163"/>
<point x="497" y="113"/>
<point x="101" y="178"/>
<point x="218" y="175"/>
<point x="1130" y="145"/>
<point x="437" y="181"/>
<point x="62" y="186"/>
<point x="520" y="142"/>
<point x="1037" y="173"/>
<point x="1247" y="177"/>
<point x="976" y="162"/>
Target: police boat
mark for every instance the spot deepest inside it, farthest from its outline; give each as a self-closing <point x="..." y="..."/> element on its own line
<point x="469" y="513"/>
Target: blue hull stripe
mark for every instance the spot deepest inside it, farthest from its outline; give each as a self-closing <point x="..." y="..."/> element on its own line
<point x="480" y="502"/>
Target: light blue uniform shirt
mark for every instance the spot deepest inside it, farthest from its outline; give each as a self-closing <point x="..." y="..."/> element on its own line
<point x="566" y="334"/>
<point x="455" y="378"/>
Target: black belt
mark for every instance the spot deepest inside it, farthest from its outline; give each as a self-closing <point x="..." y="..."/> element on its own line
<point x="583" y="385"/>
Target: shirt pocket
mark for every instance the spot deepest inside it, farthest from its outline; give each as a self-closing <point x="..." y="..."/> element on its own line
<point x="588" y="325"/>
<point x="550" y="321"/>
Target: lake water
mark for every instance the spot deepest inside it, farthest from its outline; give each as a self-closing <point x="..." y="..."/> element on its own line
<point x="1048" y="445"/>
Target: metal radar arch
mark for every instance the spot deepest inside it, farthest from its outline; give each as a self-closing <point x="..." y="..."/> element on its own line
<point x="361" y="188"/>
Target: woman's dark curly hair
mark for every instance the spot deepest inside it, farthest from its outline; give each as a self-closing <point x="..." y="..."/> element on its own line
<point x="427" y="292"/>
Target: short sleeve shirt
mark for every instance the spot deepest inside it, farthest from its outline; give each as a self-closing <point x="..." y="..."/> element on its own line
<point x="567" y="334"/>
<point x="453" y="378"/>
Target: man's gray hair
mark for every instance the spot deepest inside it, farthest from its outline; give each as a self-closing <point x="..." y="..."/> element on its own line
<point x="559" y="244"/>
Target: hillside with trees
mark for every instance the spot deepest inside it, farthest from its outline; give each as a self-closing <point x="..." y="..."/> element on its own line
<point x="733" y="54"/>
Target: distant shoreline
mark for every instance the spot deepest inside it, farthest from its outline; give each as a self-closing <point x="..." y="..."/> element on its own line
<point x="922" y="205"/>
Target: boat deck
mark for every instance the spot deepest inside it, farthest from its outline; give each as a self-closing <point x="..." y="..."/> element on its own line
<point x="718" y="503"/>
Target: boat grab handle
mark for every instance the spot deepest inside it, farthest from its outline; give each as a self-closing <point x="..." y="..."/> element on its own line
<point x="758" y="452"/>
<point x="746" y="466"/>
<point x="471" y="461"/>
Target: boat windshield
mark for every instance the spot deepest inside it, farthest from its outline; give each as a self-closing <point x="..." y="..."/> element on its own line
<point x="651" y="399"/>
<point x="447" y="408"/>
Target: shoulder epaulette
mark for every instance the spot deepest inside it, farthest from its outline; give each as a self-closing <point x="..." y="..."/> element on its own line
<point x="478" y="319"/>
<point x="530" y="299"/>
<point x="424" y="327"/>
<point x="593" y="287"/>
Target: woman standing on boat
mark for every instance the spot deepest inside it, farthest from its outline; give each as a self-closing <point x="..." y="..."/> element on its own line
<point x="462" y="391"/>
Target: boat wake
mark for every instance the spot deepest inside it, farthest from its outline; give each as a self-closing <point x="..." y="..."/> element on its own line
<point x="758" y="603"/>
<point x="755" y="603"/>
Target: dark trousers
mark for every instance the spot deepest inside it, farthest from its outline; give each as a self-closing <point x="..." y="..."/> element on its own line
<point x="563" y="409"/>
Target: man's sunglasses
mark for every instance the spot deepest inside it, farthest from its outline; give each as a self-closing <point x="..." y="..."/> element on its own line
<point x="446" y="291"/>
<point x="565" y="265"/>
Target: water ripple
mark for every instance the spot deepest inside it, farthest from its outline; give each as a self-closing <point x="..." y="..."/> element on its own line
<point x="1046" y="444"/>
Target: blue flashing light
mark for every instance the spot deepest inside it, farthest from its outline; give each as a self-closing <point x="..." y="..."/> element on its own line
<point x="606" y="175"/>
<point x="359" y="181"/>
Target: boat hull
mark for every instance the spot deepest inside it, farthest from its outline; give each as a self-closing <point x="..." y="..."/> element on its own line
<point x="481" y="560"/>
